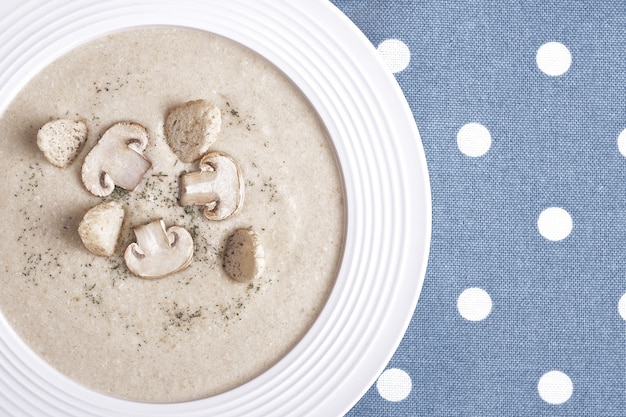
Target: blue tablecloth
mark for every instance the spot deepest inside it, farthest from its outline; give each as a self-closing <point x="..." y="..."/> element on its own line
<point x="521" y="107"/>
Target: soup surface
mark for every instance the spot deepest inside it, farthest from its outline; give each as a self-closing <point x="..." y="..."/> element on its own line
<point x="197" y="332"/>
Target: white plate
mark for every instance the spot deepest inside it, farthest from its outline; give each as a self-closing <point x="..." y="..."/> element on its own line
<point x="387" y="192"/>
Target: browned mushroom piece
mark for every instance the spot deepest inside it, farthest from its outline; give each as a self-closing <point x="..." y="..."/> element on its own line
<point x="244" y="257"/>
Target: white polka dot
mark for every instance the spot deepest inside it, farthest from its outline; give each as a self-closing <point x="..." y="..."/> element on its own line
<point x="554" y="223"/>
<point x="553" y="58"/>
<point x="395" y="53"/>
<point x="555" y="387"/>
<point x="473" y="139"/>
<point x="621" y="142"/>
<point x="474" y="304"/>
<point x="622" y="306"/>
<point x="394" y="385"/>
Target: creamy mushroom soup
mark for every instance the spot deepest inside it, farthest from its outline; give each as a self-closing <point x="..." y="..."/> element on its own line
<point x="196" y="332"/>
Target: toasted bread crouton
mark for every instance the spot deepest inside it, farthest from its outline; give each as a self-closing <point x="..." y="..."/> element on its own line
<point x="61" y="140"/>
<point x="100" y="228"/>
<point x="191" y="128"/>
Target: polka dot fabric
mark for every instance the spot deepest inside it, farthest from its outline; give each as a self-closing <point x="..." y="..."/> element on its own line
<point x="521" y="107"/>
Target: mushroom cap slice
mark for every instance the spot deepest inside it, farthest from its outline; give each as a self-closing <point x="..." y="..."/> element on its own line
<point x="117" y="159"/>
<point x="218" y="186"/>
<point x="191" y="128"/>
<point x="159" y="251"/>
<point x="100" y="228"/>
<point x="61" y="140"/>
<point x="244" y="257"/>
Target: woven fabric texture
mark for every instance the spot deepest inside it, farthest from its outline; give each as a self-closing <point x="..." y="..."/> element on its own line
<point x="521" y="108"/>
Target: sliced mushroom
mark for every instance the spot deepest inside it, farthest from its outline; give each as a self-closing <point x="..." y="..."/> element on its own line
<point x="61" y="140"/>
<point x="100" y="228"/>
<point x="159" y="252"/>
<point x="218" y="186"/>
<point x="117" y="159"/>
<point x="244" y="257"/>
<point x="191" y="128"/>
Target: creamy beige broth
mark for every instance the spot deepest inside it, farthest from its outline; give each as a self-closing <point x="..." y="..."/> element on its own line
<point x="195" y="333"/>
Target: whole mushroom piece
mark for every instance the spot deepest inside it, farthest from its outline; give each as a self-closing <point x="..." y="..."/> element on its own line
<point x="218" y="186"/>
<point x="117" y="159"/>
<point x="159" y="251"/>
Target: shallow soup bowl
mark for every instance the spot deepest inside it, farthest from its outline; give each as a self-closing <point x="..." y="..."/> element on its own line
<point x="386" y="193"/>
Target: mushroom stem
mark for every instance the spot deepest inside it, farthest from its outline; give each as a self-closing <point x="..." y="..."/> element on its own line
<point x="197" y="188"/>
